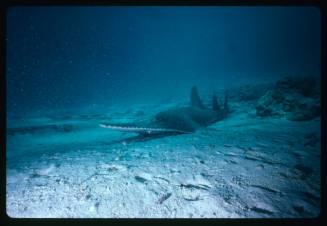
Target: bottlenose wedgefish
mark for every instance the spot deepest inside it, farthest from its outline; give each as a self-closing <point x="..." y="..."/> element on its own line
<point x="178" y="120"/>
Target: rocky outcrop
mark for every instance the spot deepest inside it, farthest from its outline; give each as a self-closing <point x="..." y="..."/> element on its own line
<point x="298" y="99"/>
<point x="248" y="92"/>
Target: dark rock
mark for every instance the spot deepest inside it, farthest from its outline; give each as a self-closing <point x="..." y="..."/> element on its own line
<point x="140" y="179"/>
<point x="267" y="105"/>
<point x="303" y="170"/>
<point x="164" y="198"/>
<point x="88" y="196"/>
<point x="299" y="209"/>
<point x="261" y="210"/>
<point x="312" y="140"/>
<point x="248" y="92"/>
<point x="197" y="198"/>
<point x="57" y="164"/>
<point x="266" y="189"/>
<point x="306" y="109"/>
<point x="311" y="197"/>
<point x="195" y="186"/>
<point x="35" y="175"/>
<point x="112" y="168"/>
<point x="305" y="85"/>
<point x="292" y="99"/>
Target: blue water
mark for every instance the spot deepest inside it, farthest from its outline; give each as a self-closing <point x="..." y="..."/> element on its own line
<point x="71" y="69"/>
<point x="79" y="56"/>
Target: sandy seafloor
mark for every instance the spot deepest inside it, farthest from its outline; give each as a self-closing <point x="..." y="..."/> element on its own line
<point x="65" y="165"/>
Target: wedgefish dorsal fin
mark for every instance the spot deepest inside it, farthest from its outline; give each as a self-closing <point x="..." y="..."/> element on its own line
<point x="215" y="105"/>
<point x="195" y="99"/>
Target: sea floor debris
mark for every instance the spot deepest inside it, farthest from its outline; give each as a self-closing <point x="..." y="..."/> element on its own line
<point x="243" y="166"/>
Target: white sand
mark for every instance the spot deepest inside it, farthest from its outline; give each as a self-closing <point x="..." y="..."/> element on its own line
<point x="243" y="166"/>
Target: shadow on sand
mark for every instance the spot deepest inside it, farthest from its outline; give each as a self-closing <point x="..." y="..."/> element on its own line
<point x="141" y="138"/>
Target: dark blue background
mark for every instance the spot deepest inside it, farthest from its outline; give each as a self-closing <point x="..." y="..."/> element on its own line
<point x="59" y="57"/>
